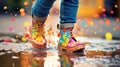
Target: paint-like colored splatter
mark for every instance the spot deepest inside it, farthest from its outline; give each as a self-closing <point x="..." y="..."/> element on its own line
<point x="104" y="15"/>
<point x="108" y="36"/>
<point x="13" y="19"/>
<point x="118" y="27"/>
<point x="91" y="23"/>
<point x="117" y="20"/>
<point x="103" y="10"/>
<point x="107" y="22"/>
<point x="111" y="12"/>
<point x="77" y="27"/>
<point x="59" y="34"/>
<point x="96" y="16"/>
<point x="6" y="41"/>
<point x="83" y="23"/>
<point x="23" y="39"/>
<point x="27" y="35"/>
<point x="10" y="28"/>
<point x="26" y="24"/>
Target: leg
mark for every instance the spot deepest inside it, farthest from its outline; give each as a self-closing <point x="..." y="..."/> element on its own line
<point x="41" y="7"/>
<point x="40" y="11"/>
<point x="68" y="11"/>
<point x="68" y="14"/>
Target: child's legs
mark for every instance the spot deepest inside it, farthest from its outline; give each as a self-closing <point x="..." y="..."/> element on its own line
<point x="41" y="7"/>
<point x="68" y="11"/>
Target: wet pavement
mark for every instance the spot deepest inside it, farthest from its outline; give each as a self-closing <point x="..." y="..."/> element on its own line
<point x="22" y="54"/>
<point x="52" y="59"/>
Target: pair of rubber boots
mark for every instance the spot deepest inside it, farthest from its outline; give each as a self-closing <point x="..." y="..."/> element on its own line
<point x="37" y="34"/>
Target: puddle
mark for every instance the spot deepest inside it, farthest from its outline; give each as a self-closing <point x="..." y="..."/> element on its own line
<point x="23" y="55"/>
<point x="54" y="59"/>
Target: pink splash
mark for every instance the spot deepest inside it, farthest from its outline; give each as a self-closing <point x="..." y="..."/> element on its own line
<point x="10" y="28"/>
<point x="13" y="19"/>
<point x="6" y="41"/>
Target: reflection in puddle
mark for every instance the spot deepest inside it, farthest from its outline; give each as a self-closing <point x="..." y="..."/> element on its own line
<point x="55" y="59"/>
<point x="43" y="59"/>
<point x="10" y="60"/>
<point x="46" y="59"/>
<point x="65" y="61"/>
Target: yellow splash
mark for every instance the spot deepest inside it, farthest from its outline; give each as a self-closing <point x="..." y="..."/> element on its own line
<point x="26" y="24"/>
<point x="108" y="36"/>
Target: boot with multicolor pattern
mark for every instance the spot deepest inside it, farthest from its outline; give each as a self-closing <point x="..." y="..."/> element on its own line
<point x="38" y="33"/>
<point x="67" y="42"/>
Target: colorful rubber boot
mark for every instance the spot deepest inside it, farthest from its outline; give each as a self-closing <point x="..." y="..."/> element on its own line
<point x="66" y="38"/>
<point x="38" y="33"/>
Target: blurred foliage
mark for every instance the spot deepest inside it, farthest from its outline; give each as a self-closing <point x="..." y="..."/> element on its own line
<point x="16" y="5"/>
<point x="13" y="4"/>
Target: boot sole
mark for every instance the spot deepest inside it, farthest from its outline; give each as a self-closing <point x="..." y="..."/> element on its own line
<point x="39" y="47"/>
<point x="71" y="50"/>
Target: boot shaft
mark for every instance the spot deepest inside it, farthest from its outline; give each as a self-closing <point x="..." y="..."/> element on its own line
<point x="38" y="26"/>
<point x="66" y="34"/>
<point x="38" y="32"/>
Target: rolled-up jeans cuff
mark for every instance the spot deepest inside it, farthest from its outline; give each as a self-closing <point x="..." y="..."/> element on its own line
<point x="39" y="19"/>
<point x="66" y="25"/>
